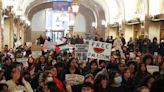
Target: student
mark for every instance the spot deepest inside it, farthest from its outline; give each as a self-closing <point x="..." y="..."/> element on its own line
<point x="115" y="83"/>
<point x="101" y="84"/>
<point x="87" y="87"/>
<point x="158" y="85"/>
<point x="3" y="87"/>
<point x="143" y="89"/>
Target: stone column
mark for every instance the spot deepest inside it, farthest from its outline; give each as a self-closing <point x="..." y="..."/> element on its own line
<point x="7" y="32"/>
<point x="21" y="32"/>
<point x="146" y="25"/>
<point x="11" y="32"/>
<point x="28" y="34"/>
<point x="1" y="34"/>
<point x="101" y="31"/>
<point x="24" y="33"/>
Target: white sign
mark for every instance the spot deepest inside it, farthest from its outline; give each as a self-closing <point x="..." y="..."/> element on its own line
<point x="74" y="79"/>
<point x="81" y="51"/>
<point x="36" y="54"/>
<point x="29" y="44"/>
<point x="99" y="50"/>
<point x="152" y="68"/>
<point x="23" y="61"/>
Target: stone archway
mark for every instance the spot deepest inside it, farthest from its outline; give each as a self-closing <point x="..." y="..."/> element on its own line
<point x="91" y="10"/>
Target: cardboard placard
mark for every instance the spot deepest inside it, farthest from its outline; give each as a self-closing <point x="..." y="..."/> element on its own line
<point x="152" y="68"/>
<point x="23" y="60"/>
<point x="81" y="51"/>
<point x="36" y="54"/>
<point x="74" y="79"/>
<point x="35" y="47"/>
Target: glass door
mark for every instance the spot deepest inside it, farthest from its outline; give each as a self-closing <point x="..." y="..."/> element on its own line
<point x="55" y="35"/>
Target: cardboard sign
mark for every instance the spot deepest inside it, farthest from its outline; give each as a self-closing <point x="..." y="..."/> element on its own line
<point x="23" y="60"/>
<point x="36" y="54"/>
<point x="29" y="44"/>
<point x="152" y="68"/>
<point x="81" y="51"/>
<point x="99" y="50"/>
<point x="74" y="79"/>
<point x="35" y="47"/>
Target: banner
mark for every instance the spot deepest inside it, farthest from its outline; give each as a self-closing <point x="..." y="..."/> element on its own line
<point x="61" y="5"/>
<point x="152" y="68"/>
<point x="99" y="50"/>
<point x="74" y="79"/>
<point x="81" y="51"/>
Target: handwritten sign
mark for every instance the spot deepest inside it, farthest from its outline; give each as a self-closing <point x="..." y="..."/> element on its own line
<point x="23" y="61"/>
<point x="99" y="50"/>
<point x="151" y="68"/>
<point x="74" y="79"/>
<point x="36" y="54"/>
<point x="81" y="51"/>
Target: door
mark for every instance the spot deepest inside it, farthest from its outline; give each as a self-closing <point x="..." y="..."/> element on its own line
<point x="55" y="35"/>
<point x="162" y="33"/>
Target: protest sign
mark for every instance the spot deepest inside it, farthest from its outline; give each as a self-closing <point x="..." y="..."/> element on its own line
<point x="29" y="44"/>
<point x="74" y="79"/>
<point x="99" y="50"/>
<point x="152" y="68"/>
<point x="23" y="61"/>
<point x="36" y="54"/>
<point x="81" y="51"/>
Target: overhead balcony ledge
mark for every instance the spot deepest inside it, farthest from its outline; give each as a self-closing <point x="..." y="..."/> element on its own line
<point x="114" y="25"/>
<point x="133" y="22"/>
<point x="159" y="17"/>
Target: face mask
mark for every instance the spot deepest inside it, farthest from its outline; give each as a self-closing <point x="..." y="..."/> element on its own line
<point x="49" y="79"/>
<point x="118" y="80"/>
<point x="54" y="62"/>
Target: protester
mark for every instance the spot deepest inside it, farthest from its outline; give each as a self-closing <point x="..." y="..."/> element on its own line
<point x="125" y="70"/>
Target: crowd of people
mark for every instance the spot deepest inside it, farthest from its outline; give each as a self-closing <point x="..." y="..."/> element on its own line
<point x="125" y="71"/>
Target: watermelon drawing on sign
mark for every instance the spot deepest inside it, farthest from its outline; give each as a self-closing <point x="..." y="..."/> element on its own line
<point x="98" y="50"/>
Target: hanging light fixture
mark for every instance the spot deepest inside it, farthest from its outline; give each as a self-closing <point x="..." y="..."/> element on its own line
<point x="94" y="24"/>
<point x="75" y="7"/>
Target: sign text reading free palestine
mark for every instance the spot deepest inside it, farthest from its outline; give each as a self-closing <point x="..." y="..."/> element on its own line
<point x="99" y="50"/>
